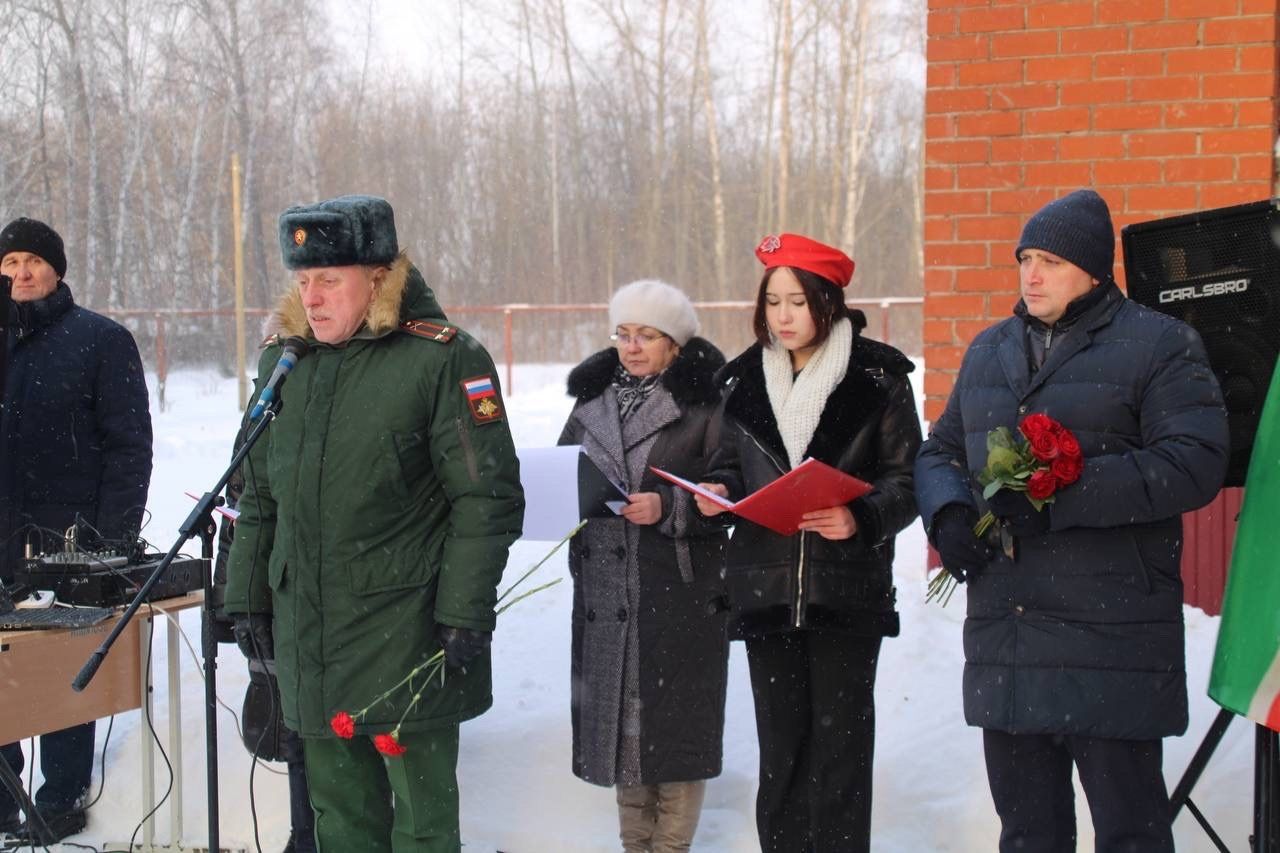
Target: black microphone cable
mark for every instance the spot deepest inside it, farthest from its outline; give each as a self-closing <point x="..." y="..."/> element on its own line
<point x="146" y="711"/>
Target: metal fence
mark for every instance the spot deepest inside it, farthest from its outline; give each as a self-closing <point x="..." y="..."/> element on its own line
<point x="513" y="333"/>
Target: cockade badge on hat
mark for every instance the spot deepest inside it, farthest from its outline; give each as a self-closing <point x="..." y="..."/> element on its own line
<point x="770" y="244"/>
<point x="299" y="237"/>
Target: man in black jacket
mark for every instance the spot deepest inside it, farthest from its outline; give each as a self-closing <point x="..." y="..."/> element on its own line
<point x="75" y="452"/>
<point x="1074" y="637"/>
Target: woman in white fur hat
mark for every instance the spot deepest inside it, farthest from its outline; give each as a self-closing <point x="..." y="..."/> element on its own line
<point x="650" y="649"/>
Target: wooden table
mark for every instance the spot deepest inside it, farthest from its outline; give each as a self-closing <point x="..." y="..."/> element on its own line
<point x="38" y="666"/>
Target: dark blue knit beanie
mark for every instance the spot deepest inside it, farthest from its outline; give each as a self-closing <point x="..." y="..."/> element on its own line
<point x="32" y="235"/>
<point x="1076" y="227"/>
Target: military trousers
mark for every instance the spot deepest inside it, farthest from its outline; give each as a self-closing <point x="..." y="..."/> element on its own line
<point x="366" y="801"/>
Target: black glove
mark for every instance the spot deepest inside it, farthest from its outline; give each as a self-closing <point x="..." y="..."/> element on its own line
<point x="253" y="636"/>
<point x="462" y="645"/>
<point x="963" y="554"/>
<point x="1020" y="517"/>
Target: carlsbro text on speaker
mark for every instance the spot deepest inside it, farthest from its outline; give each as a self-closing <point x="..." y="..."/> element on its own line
<point x="1216" y="288"/>
<point x="1219" y="271"/>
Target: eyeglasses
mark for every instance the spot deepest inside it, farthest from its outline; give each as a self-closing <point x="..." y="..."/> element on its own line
<point x="643" y="338"/>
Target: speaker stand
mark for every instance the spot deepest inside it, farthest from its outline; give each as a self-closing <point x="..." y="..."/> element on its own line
<point x="1266" y="785"/>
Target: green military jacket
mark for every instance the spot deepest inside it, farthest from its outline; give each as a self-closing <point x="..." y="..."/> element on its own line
<point x="381" y="502"/>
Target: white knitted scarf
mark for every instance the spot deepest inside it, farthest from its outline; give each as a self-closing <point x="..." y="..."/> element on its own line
<point x="798" y="401"/>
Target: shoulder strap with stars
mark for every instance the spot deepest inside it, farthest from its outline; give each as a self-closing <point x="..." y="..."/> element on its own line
<point x="430" y="331"/>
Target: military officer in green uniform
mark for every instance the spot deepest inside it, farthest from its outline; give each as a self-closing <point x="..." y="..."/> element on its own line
<point x="374" y="527"/>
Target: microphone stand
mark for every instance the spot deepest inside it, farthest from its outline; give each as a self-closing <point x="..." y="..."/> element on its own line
<point x="200" y="521"/>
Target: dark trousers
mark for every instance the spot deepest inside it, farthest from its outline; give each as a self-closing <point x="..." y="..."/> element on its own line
<point x="66" y="759"/>
<point x="301" y="819"/>
<point x="1030" y="778"/>
<point x="815" y="720"/>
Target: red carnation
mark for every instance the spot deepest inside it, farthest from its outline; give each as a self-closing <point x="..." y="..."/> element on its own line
<point x="343" y="725"/>
<point x="1044" y="446"/>
<point x="1042" y="484"/>
<point x="1067" y="468"/>
<point x="1037" y="424"/>
<point x="388" y="745"/>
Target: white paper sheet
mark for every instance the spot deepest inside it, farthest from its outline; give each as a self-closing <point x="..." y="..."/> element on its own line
<point x="549" y="476"/>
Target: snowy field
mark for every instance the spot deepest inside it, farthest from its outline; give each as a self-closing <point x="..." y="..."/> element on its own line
<point x="518" y="794"/>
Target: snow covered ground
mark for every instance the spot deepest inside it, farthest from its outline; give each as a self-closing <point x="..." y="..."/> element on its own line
<point x="518" y="794"/>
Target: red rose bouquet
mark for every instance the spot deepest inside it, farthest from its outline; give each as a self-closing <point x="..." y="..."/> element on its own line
<point x="429" y="672"/>
<point x="1045" y="459"/>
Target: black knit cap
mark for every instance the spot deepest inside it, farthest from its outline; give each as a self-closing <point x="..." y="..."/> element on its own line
<point x="1076" y="227"/>
<point x="32" y="235"/>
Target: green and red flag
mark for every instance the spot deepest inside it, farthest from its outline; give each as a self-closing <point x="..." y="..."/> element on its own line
<point x="1246" y="664"/>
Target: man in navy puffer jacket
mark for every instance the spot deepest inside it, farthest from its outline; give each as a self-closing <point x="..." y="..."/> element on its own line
<point x="1074" y="645"/>
<point x="75" y="450"/>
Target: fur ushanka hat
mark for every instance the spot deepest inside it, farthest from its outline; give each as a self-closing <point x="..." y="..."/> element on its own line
<point x="351" y="230"/>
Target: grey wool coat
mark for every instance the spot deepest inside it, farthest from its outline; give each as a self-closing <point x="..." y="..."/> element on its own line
<point x="650" y="649"/>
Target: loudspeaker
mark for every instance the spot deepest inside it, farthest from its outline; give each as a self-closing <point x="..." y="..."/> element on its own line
<point x="1219" y="271"/>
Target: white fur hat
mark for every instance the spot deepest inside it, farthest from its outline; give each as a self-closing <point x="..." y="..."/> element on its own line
<point x="650" y="302"/>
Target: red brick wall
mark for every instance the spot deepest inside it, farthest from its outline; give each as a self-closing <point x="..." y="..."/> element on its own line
<point x="1163" y="106"/>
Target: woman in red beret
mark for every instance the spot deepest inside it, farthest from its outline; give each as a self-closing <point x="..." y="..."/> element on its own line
<point x="813" y="606"/>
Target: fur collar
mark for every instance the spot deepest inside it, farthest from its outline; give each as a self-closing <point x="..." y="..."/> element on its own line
<point x="690" y="378"/>
<point x="290" y="318"/>
<point x="859" y="395"/>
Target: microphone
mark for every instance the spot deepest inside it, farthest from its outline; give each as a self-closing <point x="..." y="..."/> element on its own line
<point x="294" y="349"/>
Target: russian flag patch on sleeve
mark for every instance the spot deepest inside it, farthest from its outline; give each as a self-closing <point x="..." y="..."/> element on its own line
<point x="482" y="399"/>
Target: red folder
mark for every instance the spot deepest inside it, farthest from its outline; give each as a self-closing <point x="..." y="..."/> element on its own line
<point x="779" y="505"/>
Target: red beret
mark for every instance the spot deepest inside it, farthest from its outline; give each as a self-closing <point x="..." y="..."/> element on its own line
<point x="793" y="250"/>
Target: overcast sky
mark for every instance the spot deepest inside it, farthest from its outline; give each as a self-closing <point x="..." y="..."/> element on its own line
<point x="421" y="35"/>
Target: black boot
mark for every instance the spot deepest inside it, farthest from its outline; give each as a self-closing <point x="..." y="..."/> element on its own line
<point x="59" y="824"/>
<point x="10" y="826"/>
<point x="300" y="842"/>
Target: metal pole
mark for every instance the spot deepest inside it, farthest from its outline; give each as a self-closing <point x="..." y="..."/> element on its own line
<point x="1182" y="793"/>
<point x="1266" y="766"/>
<point x="209" y="651"/>
<point x="507" y="349"/>
<point x="174" y="653"/>
<point x="237" y="242"/>
<point x="162" y="359"/>
<point x="144" y="629"/>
